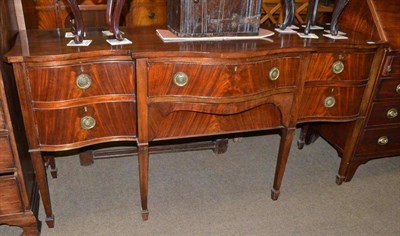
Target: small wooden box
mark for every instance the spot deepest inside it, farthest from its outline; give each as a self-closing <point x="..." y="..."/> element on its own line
<point x="200" y="18"/>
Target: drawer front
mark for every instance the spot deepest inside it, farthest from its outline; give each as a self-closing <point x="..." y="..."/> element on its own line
<point x="380" y="141"/>
<point x="219" y="80"/>
<point x="331" y="102"/>
<point x="330" y="66"/>
<point x="86" y="123"/>
<point x="6" y="156"/>
<point x="10" y="198"/>
<point x="389" y="88"/>
<point x="79" y="81"/>
<point x="168" y="121"/>
<point x="384" y="113"/>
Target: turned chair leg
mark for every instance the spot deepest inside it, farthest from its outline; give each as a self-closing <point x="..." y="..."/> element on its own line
<point x="336" y="14"/>
<point x="78" y="26"/>
<point x="289" y="14"/>
<point x="311" y="15"/>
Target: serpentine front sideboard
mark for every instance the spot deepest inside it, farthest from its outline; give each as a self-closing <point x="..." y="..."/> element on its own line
<point x="72" y="97"/>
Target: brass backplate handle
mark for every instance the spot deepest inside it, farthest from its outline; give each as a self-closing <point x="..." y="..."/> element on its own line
<point x="88" y="122"/>
<point x="383" y="140"/>
<point x="392" y="113"/>
<point x="337" y="67"/>
<point x="398" y="89"/>
<point x="274" y="73"/>
<point x="83" y="81"/>
<point x="181" y="79"/>
<point x="329" y="102"/>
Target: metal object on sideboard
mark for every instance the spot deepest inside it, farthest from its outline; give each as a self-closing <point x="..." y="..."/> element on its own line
<point x="197" y="18"/>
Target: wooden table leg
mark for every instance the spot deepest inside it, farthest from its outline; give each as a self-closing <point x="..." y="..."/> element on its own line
<point x="143" y="158"/>
<point x="284" y="149"/>
<point x="41" y="178"/>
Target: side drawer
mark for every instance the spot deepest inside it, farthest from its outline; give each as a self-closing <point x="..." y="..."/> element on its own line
<point x="221" y="80"/>
<point x="330" y="102"/>
<point x="339" y="67"/>
<point x="380" y="141"/>
<point x="6" y="156"/>
<point x="383" y="113"/>
<point x="146" y="15"/>
<point x="87" y="124"/>
<point x="81" y="80"/>
<point x="10" y="198"/>
<point x="389" y="88"/>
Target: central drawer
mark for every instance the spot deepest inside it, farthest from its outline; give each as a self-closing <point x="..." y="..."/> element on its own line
<point x="81" y="80"/>
<point x="221" y="80"/>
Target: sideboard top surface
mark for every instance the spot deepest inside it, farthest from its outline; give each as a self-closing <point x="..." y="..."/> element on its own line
<point x="51" y="45"/>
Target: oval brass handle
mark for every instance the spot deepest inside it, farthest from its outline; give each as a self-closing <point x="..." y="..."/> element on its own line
<point x="398" y="89"/>
<point x="392" y="113"/>
<point x="383" y="140"/>
<point x="329" y="102"/>
<point x="181" y="79"/>
<point x="274" y="73"/>
<point x="337" y="67"/>
<point x="87" y="122"/>
<point x="83" y="81"/>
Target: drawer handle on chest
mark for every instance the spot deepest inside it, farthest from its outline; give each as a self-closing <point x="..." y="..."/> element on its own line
<point x="274" y="73"/>
<point x="83" y="81"/>
<point x="329" y="102"/>
<point x="398" y="89"/>
<point x="181" y="79"/>
<point x="337" y="67"/>
<point x="392" y="113"/>
<point x="383" y="140"/>
<point x="87" y="122"/>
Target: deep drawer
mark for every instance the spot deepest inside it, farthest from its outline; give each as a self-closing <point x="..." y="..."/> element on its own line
<point x="343" y="67"/>
<point x="83" y="124"/>
<point x="384" y="113"/>
<point x="79" y="81"/>
<point x="380" y="141"/>
<point x="331" y="102"/>
<point x="6" y="156"/>
<point x="389" y="88"/>
<point x="10" y="198"/>
<point x="221" y="80"/>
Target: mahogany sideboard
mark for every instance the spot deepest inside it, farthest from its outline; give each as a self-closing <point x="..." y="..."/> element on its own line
<point x="19" y="194"/>
<point x="73" y="97"/>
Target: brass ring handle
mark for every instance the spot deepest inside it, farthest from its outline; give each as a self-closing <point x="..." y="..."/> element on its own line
<point x="83" y="81"/>
<point x="383" y="140"/>
<point x="337" y="67"/>
<point x="274" y="73"/>
<point x="87" y="122"/>
<point x="329" y="102"/>
<point x="392" y="113"/>
<point x="398" y="89"/>
<point x="181" y="79"/>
